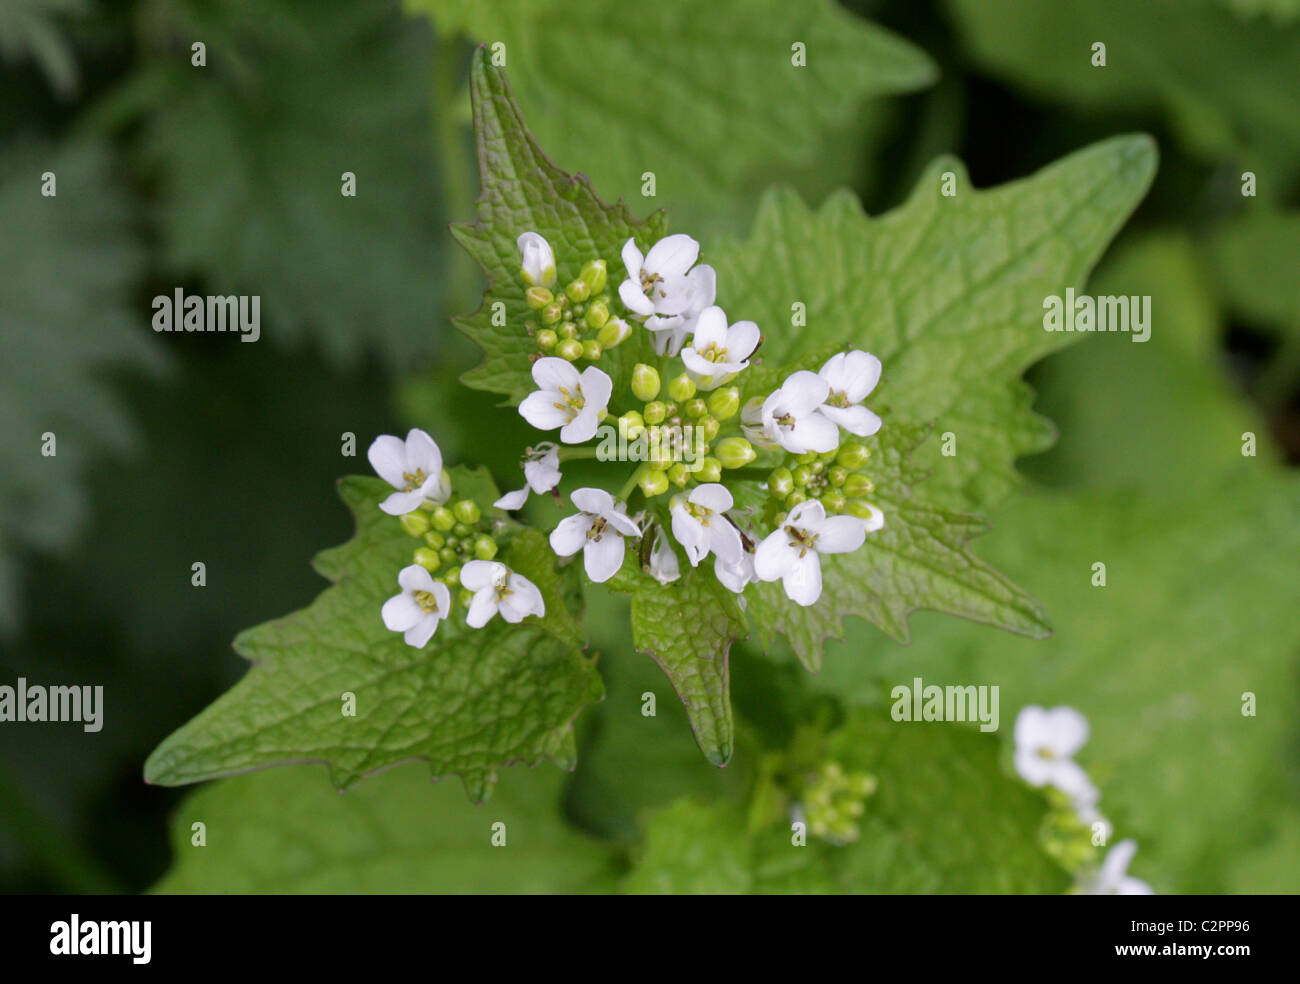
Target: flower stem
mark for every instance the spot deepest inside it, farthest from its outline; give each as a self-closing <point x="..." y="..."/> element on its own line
<point x="578" y="454"/>
<point x="630" y="484"/>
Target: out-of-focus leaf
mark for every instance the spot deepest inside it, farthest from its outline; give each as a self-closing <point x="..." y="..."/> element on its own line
<point x="30" y="29"/>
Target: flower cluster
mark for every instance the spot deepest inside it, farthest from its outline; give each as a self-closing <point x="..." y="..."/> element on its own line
<point x="693" y="447"/>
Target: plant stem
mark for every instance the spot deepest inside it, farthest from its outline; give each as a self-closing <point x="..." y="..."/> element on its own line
<point x="630" y="484"/>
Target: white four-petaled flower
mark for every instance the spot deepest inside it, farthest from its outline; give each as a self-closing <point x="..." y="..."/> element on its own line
<point x="499" y="590"/>
<point x="701" y="526"/>
<point x="850" y="377"/>
<point x="656" y="281"/>
<point x="717" y="352"/>
<point x="417" y="610"/>
<point x="536" y="260"/>
<point x="1113" y="877"/>
<point x="1046" y="742"/>
<point x="669" y="331"/>
<point x="541" y="474"/>
<point x="567" y="399"/>
<point x="792" y="552"/>
<point x="791" y="416"/>
<point x="413" y="467"/>
<point x="597" y="531"/>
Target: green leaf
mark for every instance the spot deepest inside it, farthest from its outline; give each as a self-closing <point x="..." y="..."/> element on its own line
<point x="469" y="702"/>
<point x="67" y="314"/>
<point x="523" y="191"/>
<point x="288" y="833"/>
<point x="944" y="819"/>
<point x="29" y="28"/>
<point x="249" y="153"/>
<point x="703" y="102"/>
<point x="1255" y="257"/>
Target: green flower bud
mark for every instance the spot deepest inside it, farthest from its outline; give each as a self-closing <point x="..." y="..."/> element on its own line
<point x="794" y="498"/>
<point x="443" y="519"/>
<point x="591" y="350"/>
<point x="780" y="483"/>
<point x="679" y="475"/>
<point x="435" y="540"/>
<point x="734" y="452"/>
<point x="614" y="333"/>
<point x="833" y="500"/>
<point x="807" y="458"/>
<point x="681" y="388"/>
<point x="655" y="412"/>
<point x="597" y="314"/>
<point x="857" y="485"/>
<point x="631" y="425"/>
<point x="853" y="456"/>
<point x="416" y="523"/>
<point x="552" y="313"/>
<point x="569" y="349"/>
<point x="428" y="559"/>
<point x="858" y="508"/>
<point x="710" y="470"/>
<point x="695" y="408"/>
<point x="578" y="290"/>
<point x="538" y="297"/>
<point x="465" y="596"/>
<point x="547" y="339"/>
<point x="595" y="275"/>
<point x="568" y="329"/>
<point x="653" y="481"/>
<point x="801" y="474"/>
<point x="449" y="554"/>
<point x="485" y="548"/>
<point x="818" y="467"/>
<point x="725" y="403"/>
<point x="645" y="383"/>
<point x="837" y="474"/>
<point x="452" y="577"/>
<point x="462" y="530"/>
<point x="467" y="511"/>
<point x="708" y="426"/>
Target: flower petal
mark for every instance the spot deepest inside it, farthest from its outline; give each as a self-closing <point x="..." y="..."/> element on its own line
<point x="570" y="534"/>
<point x="711" y="328"/>
<point x="622" y="522"/>
<point x="400" y="503"/>
<point x="774" y="556"/>
<point x="633" y="260"/>
<point x="422" y="453"/>
<point x="419" y="634"/>
<point x="697" y="363"/>
<point x="841" y="534"/>
<point x="415" y="578"/>
<point x="513" y="500"/>
<point x="856" y="419"/>
<point x="742" y="339"/>
<point x="594" y="501"/>
<point x="602" y="558"/>
<point x="803" y="581"/>
<point x="807" y="515"/>
<point x="581" y="428"/>
<point x="400" y="612"/>
<point x="553" y="373"/>
<point x="479" y="574"/>
<point x="387" y="456"/>
<point x="481" y="608"/>
<point x="629" y="292"/>
<point x="690" y="534"/>
<point x="712" y="495"/>
<point x="813" y="432"/>
<point x="862" y="373"/>
<point x="672" y="256"/>
<point x="803" y="391"/>
<point x="596" y="388"/>
<point x="524" y="599"/>
<point x="540" y="410"/>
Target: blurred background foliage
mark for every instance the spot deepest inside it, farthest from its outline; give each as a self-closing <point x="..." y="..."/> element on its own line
<point x="177" y="448"/>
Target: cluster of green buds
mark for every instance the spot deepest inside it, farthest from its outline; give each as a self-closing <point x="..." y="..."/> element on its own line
<point x="451" y="535"/>
<point x="682" y="428"/>
<point x="1064" y="835"/>
<point x="577" y="322"/>
<point x="836" y="479"/>
<point x="833" y="800"/>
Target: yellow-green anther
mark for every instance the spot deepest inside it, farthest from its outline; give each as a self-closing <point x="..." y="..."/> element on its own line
<point x="595" y="274"/>
<point x="443" y="519"/>
<point x="708" y="426"/>
<point x="591" y="350"/>
<point x="614" y="333"/>
<point x="836" y="474"/>
<point x="428" y="559"/>
<point x="734" y="452"/>
<point x="578" y="290"/>
<point x="552" y="313"/>
<point x="681" y="388"/>
<point x="780" y="483"/>
<point x="655" y="411"/>
<point x="679" y="475"/>
<point x="857" y="485"/>
<point x="653" y="481"/>
<point x="485" y="548"/>
<point x="710" y="470"/>
<point x="467" y="511"/>
<point x="547" y="339"/>
<point x="646" y="383"/>
<point x="725" y="403"/>
<point x="597" y="314"/>
<point x="853" y="456"/>
<point x="631" y="425"/>
<point x="569" y="349"/>
<point x="538" y="297"/>
<point x="833" y="500"/>
<point x="695" y="408"/>
<point x="435" y="539"/>
<point x="416" y="523"/>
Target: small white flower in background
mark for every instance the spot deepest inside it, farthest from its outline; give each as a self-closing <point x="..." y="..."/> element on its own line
<point x="656" y="282"/>
<point x="668" y="332"/>
<point x="541" y="474"/>
<point x="1046" y="742"/>
<point x="1113" y="877"/>
<point x="537" y="260"/>
<point x="664" y="566"/>
<point x="701" y="526"/>
<point x="417" y="611"/>
<point x="717" y="352"/>
<point x="597" y="531"/>
<point x="876" y="521"/>
<point x="791" y="416"/>
<point x="851" y="376"/>
<point x="734" y="576"/>
<point x="567" y="399"/>
<point x="792" y="553"/>
<point x="413" y="467"/>
<point x="499" y="590"/>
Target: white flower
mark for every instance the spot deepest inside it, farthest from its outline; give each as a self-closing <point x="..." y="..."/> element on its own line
<point x="566" y="399"/>
<point x="699" y="524"/>
<point x="417" y="611"/>
<point x="1113" y="878"/>
<point x="541" y="474"/>
<point x="668" y="332"/>
<point x="537" y="260"/>
<point x="1046" y="742"/>
<point x="717" y="352"/>
<point x="851" y="377"/>
<point x="876" y="521"/>
<point x="656" y="282"/>
<point x="734" y="576"/>
<point x="496" y="589"/>
<point x="664" y="567"/>
<point x="413" y="467"/>
<point x="793" y="552"/>
<point x="751" y="425"/>
<point x="597" y="531"/>
<point x="791" y="416"/>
